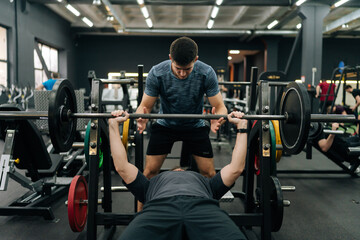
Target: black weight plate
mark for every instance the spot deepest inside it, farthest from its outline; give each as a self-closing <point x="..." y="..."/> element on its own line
<point x="296" y="103"/>
<point x="62" y="132"/>
<point x="277" y="204"/>
<point x="315" y="130"/>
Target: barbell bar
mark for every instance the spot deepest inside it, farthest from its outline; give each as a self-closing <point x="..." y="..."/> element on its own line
<point x="294" y="119"/>
<point x="44" y="115"/>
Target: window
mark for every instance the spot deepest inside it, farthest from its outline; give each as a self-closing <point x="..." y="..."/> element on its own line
<point x="50" y="56"/>
<point x="3" y="57"/>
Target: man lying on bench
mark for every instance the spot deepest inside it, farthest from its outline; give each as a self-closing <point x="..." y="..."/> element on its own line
<point x="337" y="149"/>
<point x="180" y="203"/>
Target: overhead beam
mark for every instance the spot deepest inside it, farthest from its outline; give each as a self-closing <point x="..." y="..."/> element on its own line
<point x="287" y="18"/>
<point x="343" y="20"/>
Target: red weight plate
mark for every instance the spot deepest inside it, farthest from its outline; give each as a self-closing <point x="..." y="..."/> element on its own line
<point x="77" y="208"/>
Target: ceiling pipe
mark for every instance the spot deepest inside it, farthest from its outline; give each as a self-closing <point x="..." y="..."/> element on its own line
<point x="113" y="12"/>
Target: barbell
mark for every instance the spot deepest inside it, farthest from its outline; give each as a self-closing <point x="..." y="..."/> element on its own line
<point x="295" y="116"/>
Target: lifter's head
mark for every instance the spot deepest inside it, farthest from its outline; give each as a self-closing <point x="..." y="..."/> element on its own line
<point x="183" y="55"/>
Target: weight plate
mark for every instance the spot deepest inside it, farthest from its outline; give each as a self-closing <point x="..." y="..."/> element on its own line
<point x="125" y="134"/>
<point x="254" y="146"/>
<point x="315" y="130"/>
<point x="77" y="208"/>
<point x="278" y="139"/>
<point x="277" y="204"/>
<point x="294" y="131"/>
<point x="86" y="147"/>
<point x="62" y="131"/>
<point x="272" y="149"/>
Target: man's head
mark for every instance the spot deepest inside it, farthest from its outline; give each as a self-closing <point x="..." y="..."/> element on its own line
<point x="183" y="55"/>
<point x="55" y="75"/>
<point x="348" y="88"/>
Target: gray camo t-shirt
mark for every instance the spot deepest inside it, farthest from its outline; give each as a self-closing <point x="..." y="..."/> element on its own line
<point x="181" y="96"/>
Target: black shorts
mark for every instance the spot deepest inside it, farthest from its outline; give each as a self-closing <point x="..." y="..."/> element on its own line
<point x="162" y="139"/>
<point x="182" y="217"/>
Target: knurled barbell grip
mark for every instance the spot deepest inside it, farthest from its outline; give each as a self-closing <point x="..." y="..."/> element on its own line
<point x="176" y="116"/>
<point x="44" y="115"/>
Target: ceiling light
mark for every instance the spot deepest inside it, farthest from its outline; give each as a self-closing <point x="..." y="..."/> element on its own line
<point x="298" y="26"/>
<point x="229" y="58"/>
<point x="298" y="3"/>
<point x="234" y="51"/>
<point x="59" y="0"/>
<point x="339" y="3"/>
<point x="214" y="12"/>
<point x="97" y="2"/>
<point x="273" y="24"/>
<point x="345" y="26"/>
<point x="144" y="12"/>
<point x="73" y="10"/>
<point x="210" y="24"/>
<point x="219" y="2"/>
<point x="140" y="2"/>
<point x="149" y="22"/>
<point x="87" y="21"/>
<point x="110" y="18"/>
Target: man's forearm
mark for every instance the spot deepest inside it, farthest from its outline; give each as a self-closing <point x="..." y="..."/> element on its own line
<point x="126" y="170"/>
<point x="233" y="170"/>
<point x="239" y="153"/>
<point x="116" y="146"/>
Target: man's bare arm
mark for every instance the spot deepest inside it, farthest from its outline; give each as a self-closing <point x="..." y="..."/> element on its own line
<point x="233" y="170"/>
<point x="126" y="170"/>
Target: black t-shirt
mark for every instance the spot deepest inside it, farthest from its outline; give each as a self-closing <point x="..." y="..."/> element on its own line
<point x="355" y="92"/>
<point x="176" y="183"/>
<point x="339" y="147"/>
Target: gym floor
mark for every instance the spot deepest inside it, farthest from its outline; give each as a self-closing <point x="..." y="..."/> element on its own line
<point x="324" y="206"/>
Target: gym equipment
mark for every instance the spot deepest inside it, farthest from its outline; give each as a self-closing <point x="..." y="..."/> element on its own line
<point x="277" y="140"/>
<point x="44" y="176"/>
<point x="77" y="203"/>
<point x="294" y="120"/>
<point x="86" y="146"/>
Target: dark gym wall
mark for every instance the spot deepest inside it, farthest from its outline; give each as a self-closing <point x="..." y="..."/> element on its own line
<point x="334" y="51"/>
<point x="114" y="53"/>
<point x="27" y="22"/>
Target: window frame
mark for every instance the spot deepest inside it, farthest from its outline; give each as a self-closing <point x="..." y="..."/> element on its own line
<point x="49" y="63"/>
<point x="6" y="82"/>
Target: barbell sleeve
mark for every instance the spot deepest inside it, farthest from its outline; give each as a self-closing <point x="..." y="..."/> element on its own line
<point x="332" y="118"/>
<point x="22" y="115"/>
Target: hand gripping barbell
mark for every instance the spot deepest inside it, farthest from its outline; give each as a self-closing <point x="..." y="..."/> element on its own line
<point x="294" y="119"/>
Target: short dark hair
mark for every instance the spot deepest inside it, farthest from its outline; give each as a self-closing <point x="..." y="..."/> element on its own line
<point x="183" y="51"/>
<point x="348" y="86"/>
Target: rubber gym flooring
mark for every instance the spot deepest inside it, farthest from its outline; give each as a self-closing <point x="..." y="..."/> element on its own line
<point x="323" y="207"/>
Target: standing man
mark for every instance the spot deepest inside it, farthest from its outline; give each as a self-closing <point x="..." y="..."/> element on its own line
<point x="48" y="85"/>
<point x="324" y="86"/>
<point x="181" y="83"/>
